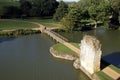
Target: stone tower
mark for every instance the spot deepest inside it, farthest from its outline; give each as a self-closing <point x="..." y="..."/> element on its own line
<point x="90" y="54"/>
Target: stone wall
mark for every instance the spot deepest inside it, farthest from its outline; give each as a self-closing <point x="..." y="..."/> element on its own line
<point x="60" y="55"/>
<point x="90" y="54"/>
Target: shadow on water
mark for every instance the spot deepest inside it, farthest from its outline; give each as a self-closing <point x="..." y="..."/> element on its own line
<point x="103" y="64"/>
<point x="113" y="58"/>
<point x="6" y="39"/>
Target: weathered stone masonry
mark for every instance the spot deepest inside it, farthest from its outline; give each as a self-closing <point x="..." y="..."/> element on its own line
<point x="90" y="55"/>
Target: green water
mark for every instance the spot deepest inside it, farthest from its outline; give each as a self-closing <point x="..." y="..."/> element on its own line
<point x="28" y="58"/>
<point x="110" y="39"/>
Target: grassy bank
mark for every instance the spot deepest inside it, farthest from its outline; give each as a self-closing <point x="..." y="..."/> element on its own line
<point x="103" y="76"/>
<point x="19" y="32"/>
<point x="115" y="68"/>
<point x="77" y="45"/>
<point x="16" y="24"/>
<point x="63" y="49"/>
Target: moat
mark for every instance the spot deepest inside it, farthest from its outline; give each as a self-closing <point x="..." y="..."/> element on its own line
<point x="109" y="40"/>
<point x="28" y="58"/>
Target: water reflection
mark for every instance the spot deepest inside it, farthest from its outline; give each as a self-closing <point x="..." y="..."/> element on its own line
<point x="28" y="58"/>
<point x="100" y="32"/>
<point x="108" y="38"/>
<point x="6" y="39"/>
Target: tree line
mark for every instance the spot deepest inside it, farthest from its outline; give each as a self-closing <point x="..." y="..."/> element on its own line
<point x="31" y="8"/>
<point x="88" y="14"/>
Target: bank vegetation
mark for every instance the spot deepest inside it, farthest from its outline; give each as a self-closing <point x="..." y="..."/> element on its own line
<point x="60" y="51"/>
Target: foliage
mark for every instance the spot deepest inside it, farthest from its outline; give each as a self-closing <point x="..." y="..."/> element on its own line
<point x="61" y="11"/>
<point x="44" y="7"/>
<point x="26" y="7"/>
<point x="72" y="19"/>
<point x="12" y="11"/>
<point x="83" y="6"/>
<point x="29" y="7"/>
<point x="119" y="17"/>
<point x="7" y="3"/>
<point x="67" y="23"/>
<point x="88" y="10"/>
<point x="18" y="32"/>
<point x="115" y="4"/>
<point x="115" y="19"/>
<point x="99" y="10"/>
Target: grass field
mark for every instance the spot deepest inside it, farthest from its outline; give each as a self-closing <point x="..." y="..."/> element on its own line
<point x="20" y="24"/>
<point x="46" y="22"/>
<point x="11" y="24"/>
<point x="77" y="45"/>
<point x="63" y="49"/>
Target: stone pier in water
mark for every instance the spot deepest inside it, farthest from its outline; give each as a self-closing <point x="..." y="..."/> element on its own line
<point x="90" y="55"/>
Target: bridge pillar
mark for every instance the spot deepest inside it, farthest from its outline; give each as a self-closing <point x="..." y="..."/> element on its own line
<point x="90" y="55"/>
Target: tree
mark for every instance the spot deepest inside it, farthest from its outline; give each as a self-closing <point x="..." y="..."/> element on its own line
<point x="119" y="17"/>
<point x="68" y="23"/>
<point x="83" y="6"/>
<point x="44" y="7"/>
<point x="81" y="13"/>
<point x="12" y="11"/>
<point x="99" y="10"/>
<point x="25" y="7"/>
<point x="72" y="20"/>
<point x="115" y="4"/>
<point x="61" y="11"/>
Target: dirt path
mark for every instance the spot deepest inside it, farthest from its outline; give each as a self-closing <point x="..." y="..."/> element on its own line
<point x="111" y="73"/>
<point x="73" y="48"/>
<point x="62" y="41"/>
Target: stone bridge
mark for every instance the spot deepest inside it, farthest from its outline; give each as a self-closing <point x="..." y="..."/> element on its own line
<point x="61" y="40"/>
<point x="90" y="53"/>
<point x="56" y="37"/>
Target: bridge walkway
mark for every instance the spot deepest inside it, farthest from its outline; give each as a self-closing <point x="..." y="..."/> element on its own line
<point x="61" y="40"/>
<point x="64" y="41"/>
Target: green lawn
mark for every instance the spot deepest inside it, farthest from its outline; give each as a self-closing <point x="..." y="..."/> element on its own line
<point x="11" y="24"/>
<point x="103" y="76"/>
<point x="115" y="68"/>
<point x="63" y="49"/>
<point x="77" y="45"/>
<point x="46" y="22"/>
<point x="20" y="24"/>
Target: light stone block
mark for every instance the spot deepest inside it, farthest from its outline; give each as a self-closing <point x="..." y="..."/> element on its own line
<point x="90" y="54"/>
